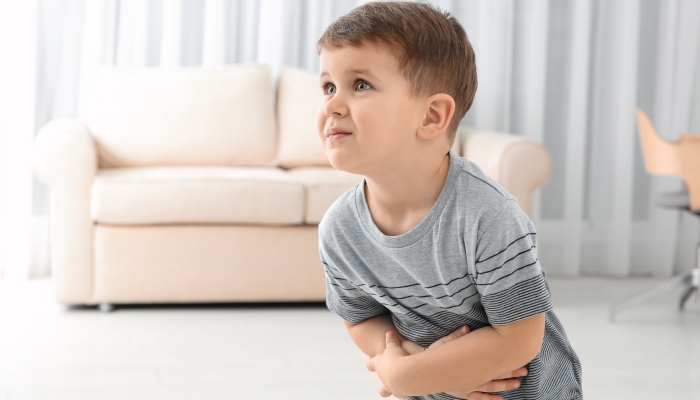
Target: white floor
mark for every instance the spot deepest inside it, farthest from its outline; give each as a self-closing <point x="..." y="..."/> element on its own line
<point x="49" y="351"/>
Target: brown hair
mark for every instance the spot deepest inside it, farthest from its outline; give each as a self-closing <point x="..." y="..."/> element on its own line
<point x="431" y="46"/>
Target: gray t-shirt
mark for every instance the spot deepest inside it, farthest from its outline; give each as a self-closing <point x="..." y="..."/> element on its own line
<point x="472" y="260"/>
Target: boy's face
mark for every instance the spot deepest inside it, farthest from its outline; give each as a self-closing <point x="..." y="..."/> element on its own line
<point x="367" y="116"/>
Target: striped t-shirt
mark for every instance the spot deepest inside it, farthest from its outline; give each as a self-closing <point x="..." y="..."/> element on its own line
<point x="472" y="260"/>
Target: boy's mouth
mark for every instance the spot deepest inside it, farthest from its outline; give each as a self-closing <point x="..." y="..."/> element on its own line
<point x="335" y="134"/>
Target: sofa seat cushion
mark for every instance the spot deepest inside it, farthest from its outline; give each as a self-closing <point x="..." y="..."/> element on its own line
<point x="323" y="187"/>
<point x="176" y="195"/>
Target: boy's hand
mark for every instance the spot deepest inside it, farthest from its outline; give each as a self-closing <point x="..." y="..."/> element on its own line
<point x="381" y="363"/>
<point x="503" y="384"/>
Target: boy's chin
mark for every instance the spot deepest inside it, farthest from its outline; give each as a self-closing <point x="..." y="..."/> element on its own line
<point x="343" y="162"/>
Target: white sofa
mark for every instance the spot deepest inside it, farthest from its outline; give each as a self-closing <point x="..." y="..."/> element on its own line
<point x="192" y="185"/>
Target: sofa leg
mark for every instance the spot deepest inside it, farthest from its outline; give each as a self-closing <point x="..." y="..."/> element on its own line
<point x="105" y="307"/>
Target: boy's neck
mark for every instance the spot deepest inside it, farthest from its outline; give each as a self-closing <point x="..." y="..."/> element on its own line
<point x="399" y="198"/>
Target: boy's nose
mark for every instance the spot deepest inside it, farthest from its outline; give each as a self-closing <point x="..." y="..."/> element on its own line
<point x="335" y="107"/>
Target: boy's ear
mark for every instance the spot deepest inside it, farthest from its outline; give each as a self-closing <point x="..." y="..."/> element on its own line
<point x="439" y="110"/>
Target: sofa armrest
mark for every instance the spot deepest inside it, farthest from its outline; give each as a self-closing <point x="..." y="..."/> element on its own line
<point x="65" y="158"/>
<point x="519" y="164"/>
<point x="65" y="154"/>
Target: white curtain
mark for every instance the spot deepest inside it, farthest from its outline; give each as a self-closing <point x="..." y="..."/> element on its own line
<point x="18" y="38"/>
<point x="568" y="74"/>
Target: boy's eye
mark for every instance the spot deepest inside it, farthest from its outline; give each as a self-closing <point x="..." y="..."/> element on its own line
<point x="328" y="88"/>
<point x="362" y="86"/>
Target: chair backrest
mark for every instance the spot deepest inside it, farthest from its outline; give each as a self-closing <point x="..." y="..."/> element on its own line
<point x="183" y="116"/>
<point x="681" y="157"/>
<point x="660" y="156"/>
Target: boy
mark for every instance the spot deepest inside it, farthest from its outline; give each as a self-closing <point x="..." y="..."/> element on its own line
<point x="427" y="243"/>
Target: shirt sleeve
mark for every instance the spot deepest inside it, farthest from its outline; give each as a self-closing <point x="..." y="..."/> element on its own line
<point x="346" y="298"/>
<point x="509" y="277"/>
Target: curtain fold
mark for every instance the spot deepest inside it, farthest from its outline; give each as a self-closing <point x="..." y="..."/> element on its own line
<point x="18" y="105"/>
<point x="529" y="77"/>
<point x="574" y="129"/>
<point x="214" y="43"/>
<point x="568" y="74"/>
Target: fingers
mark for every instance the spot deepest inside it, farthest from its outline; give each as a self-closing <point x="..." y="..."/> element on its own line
<point x="392" y="340"/>
<point x="483" y="396"/>
<point x="476" y="395"/>
<point x="452" y="336"/>
<point x="370" y="364"/>
<point x="515" y="374"/>
<point x="499" y="386"/>
<point x="412" y="348"/>
<point x="503" y="384"/>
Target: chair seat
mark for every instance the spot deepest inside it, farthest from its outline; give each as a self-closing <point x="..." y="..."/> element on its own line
<point x="679" y="199"/>
<point x="323" y="186"/>
<point x="177" y="195"/>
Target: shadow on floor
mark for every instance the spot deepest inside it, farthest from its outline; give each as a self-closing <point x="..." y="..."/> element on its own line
<point x="207" y="306"/>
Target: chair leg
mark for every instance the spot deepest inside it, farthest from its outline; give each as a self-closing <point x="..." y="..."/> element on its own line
<point x="694" y="281"/>
<point x="690" y="278"/>
<point x="688" y="292"/>
<point x="676" y="281"/>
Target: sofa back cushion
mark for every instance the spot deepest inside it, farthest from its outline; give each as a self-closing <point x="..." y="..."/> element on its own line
<point x="183" y="116"/>
<point x="298" y="99"/>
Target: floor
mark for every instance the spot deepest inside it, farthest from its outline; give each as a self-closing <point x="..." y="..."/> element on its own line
<point x="48" y="351"/>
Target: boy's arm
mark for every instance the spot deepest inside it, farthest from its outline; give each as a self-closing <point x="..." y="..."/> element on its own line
<point x="462" y="364"/>
<point x="369" y="335"/>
